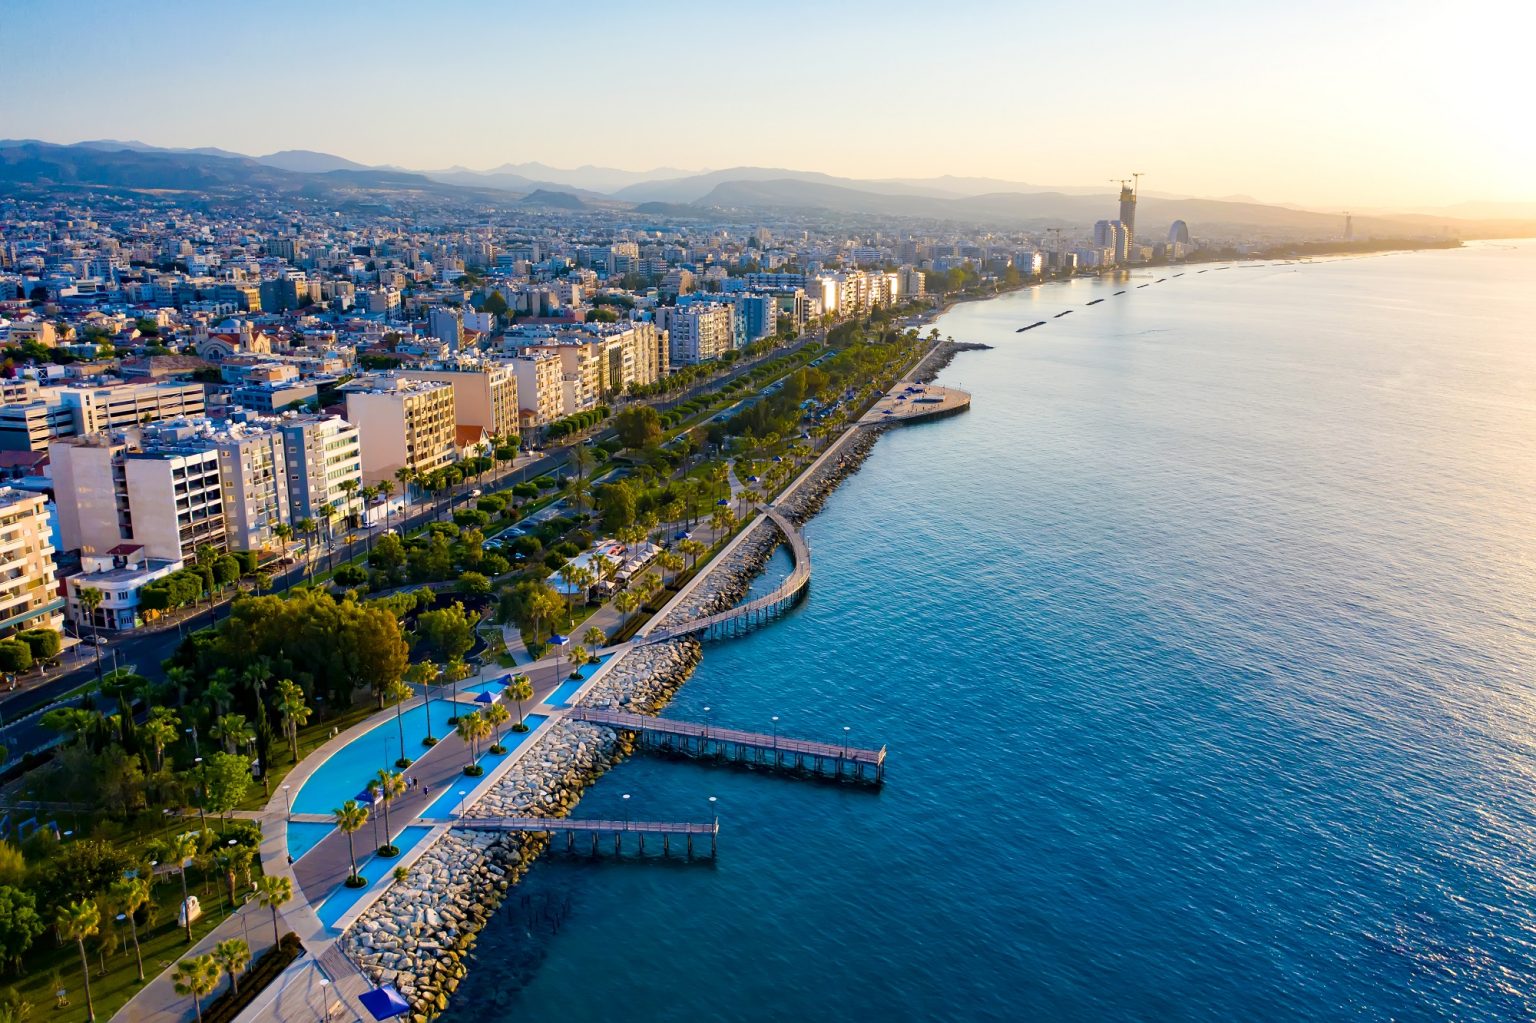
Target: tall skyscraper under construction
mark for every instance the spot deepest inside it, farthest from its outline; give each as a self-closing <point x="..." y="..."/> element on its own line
<point x="1128" y="220"/>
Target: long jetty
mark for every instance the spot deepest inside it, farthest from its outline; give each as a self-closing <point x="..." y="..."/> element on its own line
<point x="753" y="749"/>
<point x="748" y="616"/>
<point x="666" y="830"/>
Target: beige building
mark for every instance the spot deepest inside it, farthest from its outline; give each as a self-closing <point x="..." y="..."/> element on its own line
<point x="29" y="587"/>
<point x="31" y="424"/>
<point x="402" y="423"/>
<point x="539" y="387"/>
<point x="484" y="393"/>
<point x="253" y="474"/>
<point x="167" y="498"/>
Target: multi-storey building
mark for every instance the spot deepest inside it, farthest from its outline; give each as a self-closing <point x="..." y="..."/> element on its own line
<point x="76" y="411"/>
<point x="323" y="452"/>
<point x="164" y="495"/>
<point x="118" y="575"/>
<point x="540" y="390"/>
<point x="484" y="393"/>
<point x="699" y="333"/>
<point x="29" y="590"/>
<point x="253" y="467"/>
<point x="402" y="424"/>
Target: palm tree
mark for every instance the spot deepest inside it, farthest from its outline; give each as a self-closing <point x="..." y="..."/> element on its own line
<point x="469" y="728"/>
<point x="397" y="692"/>
<point x="128" y="896"/>
<point x="350" y="818"/>
<point x="235" y="732"/>
<point x="308" y="526"/>
<point x="294" y="711"/>
<point x="221" y="690"/>
<point x="497" y="715"/>
<point x="693" y="549"/>
<point x="424" y="674"/>
<point x="76" y="922"/>
<point x="389" y="785"/>
<point x="405" y="476"/>
<point x="384" y="488"/>
<point x="178" y="849"/>
<point x="284" y="532"/>
<point x="520" y="689"/>
<point x="197" y="976"/>
<point x="90" y="599"/>
<point x="455" y="671"/>
<point x="232" y="956"/>
<point x="576" y="657"/>
<point x="626" y="603"/>
<point x="595" y="637"/>
<point x="273" y="890"/>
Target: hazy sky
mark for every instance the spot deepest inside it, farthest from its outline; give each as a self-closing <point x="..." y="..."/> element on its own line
<point x="1338" y="103"/>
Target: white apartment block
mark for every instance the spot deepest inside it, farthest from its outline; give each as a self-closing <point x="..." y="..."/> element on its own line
<point x="253" y="468"/>
<point x="700" y="333"/>
<point x="323" y="452"/>
<point x="402" y="424"/>
<point x="32" y="424"/>
<point x="28" y="584"/>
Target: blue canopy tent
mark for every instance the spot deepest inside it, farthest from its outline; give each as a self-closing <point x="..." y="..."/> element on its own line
<point x="556" y="639"/>
<point x="384" y="1002"/>
<point x="485" y="698"/>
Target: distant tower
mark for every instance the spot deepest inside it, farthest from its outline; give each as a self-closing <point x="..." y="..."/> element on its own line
<point x="1128" y="217"/>
<point x="1349" y="226"/>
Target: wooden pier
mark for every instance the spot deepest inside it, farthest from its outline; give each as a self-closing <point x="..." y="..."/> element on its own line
<point x="746" y="617"/>
<point x="596" y="830"/>
<point x="752" y="749"/>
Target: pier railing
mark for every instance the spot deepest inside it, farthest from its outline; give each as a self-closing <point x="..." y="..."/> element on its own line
<point x="596" y="829"/>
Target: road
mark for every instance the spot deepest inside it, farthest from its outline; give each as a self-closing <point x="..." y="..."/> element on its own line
<point x="147" y="647"/>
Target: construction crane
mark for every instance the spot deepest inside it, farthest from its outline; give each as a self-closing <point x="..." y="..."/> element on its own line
<point x="1122" y="182"/>
<point x="1138" y="175"/>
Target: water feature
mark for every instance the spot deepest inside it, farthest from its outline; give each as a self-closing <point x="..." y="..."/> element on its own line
<point x="447" y="805"/>
<point x="1203" y="646"/>
<point x="347" y="771"/>
<point x="305" y="835"/>
<point x="377" y="869"/>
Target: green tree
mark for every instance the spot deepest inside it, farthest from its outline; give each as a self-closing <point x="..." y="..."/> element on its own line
<point x="128" y="895"/>
<point x="388" y="786"/>
<point x="350" y="818"/>
<point x="232" y="955"/>
<point x="20" y="924"/>
<point x="162" y="729"/>
<point x="294" y="712"/>
<point x="76" y="922"/>
<point x="520" y="689"/>
<point x="227" y="779"/>
<point x="638" y="426"/>
<point x="272" y="891"/>
<point x="196" y="977"/>
<point x="449" y="630"/>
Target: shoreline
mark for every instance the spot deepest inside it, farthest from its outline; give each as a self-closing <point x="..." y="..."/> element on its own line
<point x="419" y="931"/>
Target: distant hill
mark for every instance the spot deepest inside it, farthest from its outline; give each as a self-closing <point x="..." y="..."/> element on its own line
<point x="307" y="161"/>
<point x="554" y="200"/>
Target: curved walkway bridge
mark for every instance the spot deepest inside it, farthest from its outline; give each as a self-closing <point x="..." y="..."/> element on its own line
<point x="748" y="616"/>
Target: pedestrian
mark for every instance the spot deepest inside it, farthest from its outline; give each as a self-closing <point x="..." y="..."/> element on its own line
<point x="426" y="790"/>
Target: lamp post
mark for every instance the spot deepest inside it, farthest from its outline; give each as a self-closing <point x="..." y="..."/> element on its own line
<point x="706" y="724"/>
<point x="325" y="1006"/>
<point x="557" y="640"/>
<point x="195" y="751"/>
<point x="775" y="731"/>
<point x="202" y="788"/>
<point x="626" y="811"/>
<point x="288" y="794"/>
<point x="462" y="793"/>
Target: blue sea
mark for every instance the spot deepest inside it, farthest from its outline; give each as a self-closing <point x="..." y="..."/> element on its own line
<point x="1205" y="650"/>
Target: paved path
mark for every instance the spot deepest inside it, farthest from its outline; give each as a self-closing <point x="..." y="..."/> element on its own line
<point x="923" y="400"/>
<point x="158" y="1002"/>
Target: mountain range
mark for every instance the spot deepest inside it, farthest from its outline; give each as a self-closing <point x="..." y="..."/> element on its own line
<point x="135" y="166"/>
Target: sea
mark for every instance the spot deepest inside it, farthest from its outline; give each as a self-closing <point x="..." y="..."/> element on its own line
<point x="1204" y="648"/>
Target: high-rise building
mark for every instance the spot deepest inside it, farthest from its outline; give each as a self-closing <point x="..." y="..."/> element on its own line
<point x="402" y="424"/>
<point x="1128" y="219"/>
<point x="700" y="332"/>
<point x="253" y="470"/>
<point x="29" y="589"/>
<point x="539" y="387"/>
<point x="75" y="411"/>
<point x="1110" y="235"/>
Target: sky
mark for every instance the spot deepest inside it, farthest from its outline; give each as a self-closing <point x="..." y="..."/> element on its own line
<point x="1342" y="104"/>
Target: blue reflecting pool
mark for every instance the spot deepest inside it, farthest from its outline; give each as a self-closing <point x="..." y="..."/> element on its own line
<point x="376" y="870"/>
<point x="304" y="836"/>
<point x="348" y="771"/>
<point x="447" y="805"/>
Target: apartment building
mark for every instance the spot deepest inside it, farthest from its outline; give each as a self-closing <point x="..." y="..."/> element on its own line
<point x="539" y="388"/>
<point x="77" y="411"/>
<point x="401" y="423"/>
<point x="29" y="597"/>
<point x="484" y="393"/>
<point x="253" y="472"/>
<point x="700" y="332"/>
<point x="163" y="494"/>
<point x="323" y="452"/>
<point x="118" y="575"/>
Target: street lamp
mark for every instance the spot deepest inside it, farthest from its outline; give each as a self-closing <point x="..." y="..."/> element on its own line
<point x="325" y="1006"/>
<point x="775" y="731"/>
<point x="195" y="751"/>
<point x="845" y="740"/>
<point x="462" y="793"/>
<point x="626" y="811"/>
<point x="288" y="794"/>
<point x="706" y="724"/>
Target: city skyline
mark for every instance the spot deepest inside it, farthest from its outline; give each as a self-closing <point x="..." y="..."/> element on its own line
<point x="1363" y="105"/>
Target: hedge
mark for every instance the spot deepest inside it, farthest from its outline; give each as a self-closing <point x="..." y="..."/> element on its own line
<point x="44" y="644"/>
<point x="268" y="968"/>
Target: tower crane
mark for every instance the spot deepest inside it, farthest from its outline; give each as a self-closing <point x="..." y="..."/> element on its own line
<point x="1138" y="175"/>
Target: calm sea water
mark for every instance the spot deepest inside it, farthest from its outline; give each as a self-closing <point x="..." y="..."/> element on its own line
<point x="1205" y="647"/>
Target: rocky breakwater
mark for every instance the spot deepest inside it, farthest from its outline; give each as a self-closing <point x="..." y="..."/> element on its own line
<point x="419" y="934"/>
<point x="942" y="355"/>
